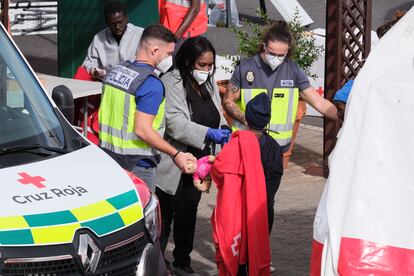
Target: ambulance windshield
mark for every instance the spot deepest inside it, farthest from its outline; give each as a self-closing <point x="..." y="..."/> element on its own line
<point x="26" y="115"/>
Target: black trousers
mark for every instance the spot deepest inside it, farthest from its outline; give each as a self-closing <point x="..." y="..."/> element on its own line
<point x="182" y="209"/>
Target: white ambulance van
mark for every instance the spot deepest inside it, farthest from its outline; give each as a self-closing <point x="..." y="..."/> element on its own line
<point x="66" y="207"/>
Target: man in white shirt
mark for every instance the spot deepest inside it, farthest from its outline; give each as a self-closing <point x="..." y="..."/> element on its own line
<point x="114" y="44"/>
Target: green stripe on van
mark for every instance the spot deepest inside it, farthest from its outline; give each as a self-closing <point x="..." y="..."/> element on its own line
<point x="47" y="219"/>
<point x="105" y="225"/>
<point x="123" y="200"/>
<point x="16" y="237"/>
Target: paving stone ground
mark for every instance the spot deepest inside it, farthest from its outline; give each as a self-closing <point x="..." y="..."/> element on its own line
<point x="296" y="203"/>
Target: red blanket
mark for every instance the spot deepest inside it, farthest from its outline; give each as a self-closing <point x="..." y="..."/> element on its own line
<point x="239" y="220"/>
<point x="93" y="108"/>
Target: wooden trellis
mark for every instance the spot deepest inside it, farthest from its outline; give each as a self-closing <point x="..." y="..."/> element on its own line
<point x="4" y="6"/>
<point x="348" y="42"/>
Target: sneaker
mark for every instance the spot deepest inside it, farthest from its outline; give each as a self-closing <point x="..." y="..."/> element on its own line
<point x="272" y="269"/>
<point x="184" y="271"/>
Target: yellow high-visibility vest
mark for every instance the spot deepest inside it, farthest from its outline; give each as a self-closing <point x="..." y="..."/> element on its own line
<point x="117" y="111"/>
<point x="284" y="101"/>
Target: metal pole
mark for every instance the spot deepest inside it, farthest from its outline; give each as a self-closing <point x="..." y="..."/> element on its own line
<point x="228" y="12"/>
<point x="263" y="6"/>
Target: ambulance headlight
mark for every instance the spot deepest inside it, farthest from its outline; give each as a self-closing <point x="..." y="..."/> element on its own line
<point x="153" y="218"/>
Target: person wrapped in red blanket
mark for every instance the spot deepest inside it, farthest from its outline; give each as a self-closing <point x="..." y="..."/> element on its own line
<point x="239" y="220"/>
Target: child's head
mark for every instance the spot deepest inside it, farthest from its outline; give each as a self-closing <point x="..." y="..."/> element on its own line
<point x="258" y="112"/>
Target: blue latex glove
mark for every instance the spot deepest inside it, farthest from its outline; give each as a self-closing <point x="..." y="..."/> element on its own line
<point x="218" y="136"/>
<point x="342" y="94"/>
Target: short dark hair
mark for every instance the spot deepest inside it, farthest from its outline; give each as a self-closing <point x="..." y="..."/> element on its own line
<point x="158" y="31"/>
<point x="113" y="8"/>
<point x="279" y="31"/>
<point x="383" y="29"/>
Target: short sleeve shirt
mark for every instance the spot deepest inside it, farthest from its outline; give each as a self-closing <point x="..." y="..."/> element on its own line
<point x="288" y="71"/>
<point x="150" y="94"/>
<point x="148" y="98"/>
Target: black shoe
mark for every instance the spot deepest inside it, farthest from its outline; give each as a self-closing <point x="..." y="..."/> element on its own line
<point x="184" y="271"/>
<point x="170" y="270"/>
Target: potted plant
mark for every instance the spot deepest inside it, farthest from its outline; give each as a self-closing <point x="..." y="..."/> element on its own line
<point x="306" y="53"/>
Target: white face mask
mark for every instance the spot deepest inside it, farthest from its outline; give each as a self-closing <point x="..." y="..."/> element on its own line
<point x="201" y="76"/>
<point x="164" y="64"/>
<point x="274" y="61"/>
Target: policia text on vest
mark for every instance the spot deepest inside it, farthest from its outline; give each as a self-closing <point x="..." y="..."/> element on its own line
<point x="117" y="134"/>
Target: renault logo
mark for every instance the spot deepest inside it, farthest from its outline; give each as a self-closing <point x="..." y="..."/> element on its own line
<point x="89" y="253"/>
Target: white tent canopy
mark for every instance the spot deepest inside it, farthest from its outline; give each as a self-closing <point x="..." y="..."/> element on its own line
<point x="365" y="219"/>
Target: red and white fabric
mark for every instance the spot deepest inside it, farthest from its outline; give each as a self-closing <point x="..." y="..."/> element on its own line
<point x="365" y="223"/>
<point x="239" y="220"/>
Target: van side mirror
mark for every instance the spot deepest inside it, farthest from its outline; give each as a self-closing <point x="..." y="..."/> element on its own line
<point x="63" y="98"/>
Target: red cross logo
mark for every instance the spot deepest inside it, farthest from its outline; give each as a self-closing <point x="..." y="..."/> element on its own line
<point x="35" y="180"/>
<point x="320" y="91"/>
<point x="236" y="245"/>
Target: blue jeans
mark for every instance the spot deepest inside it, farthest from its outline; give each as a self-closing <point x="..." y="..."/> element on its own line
<point x="147" y="175"/>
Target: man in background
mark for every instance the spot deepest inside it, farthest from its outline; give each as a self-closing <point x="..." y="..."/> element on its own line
<point x="113" y="45"/>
